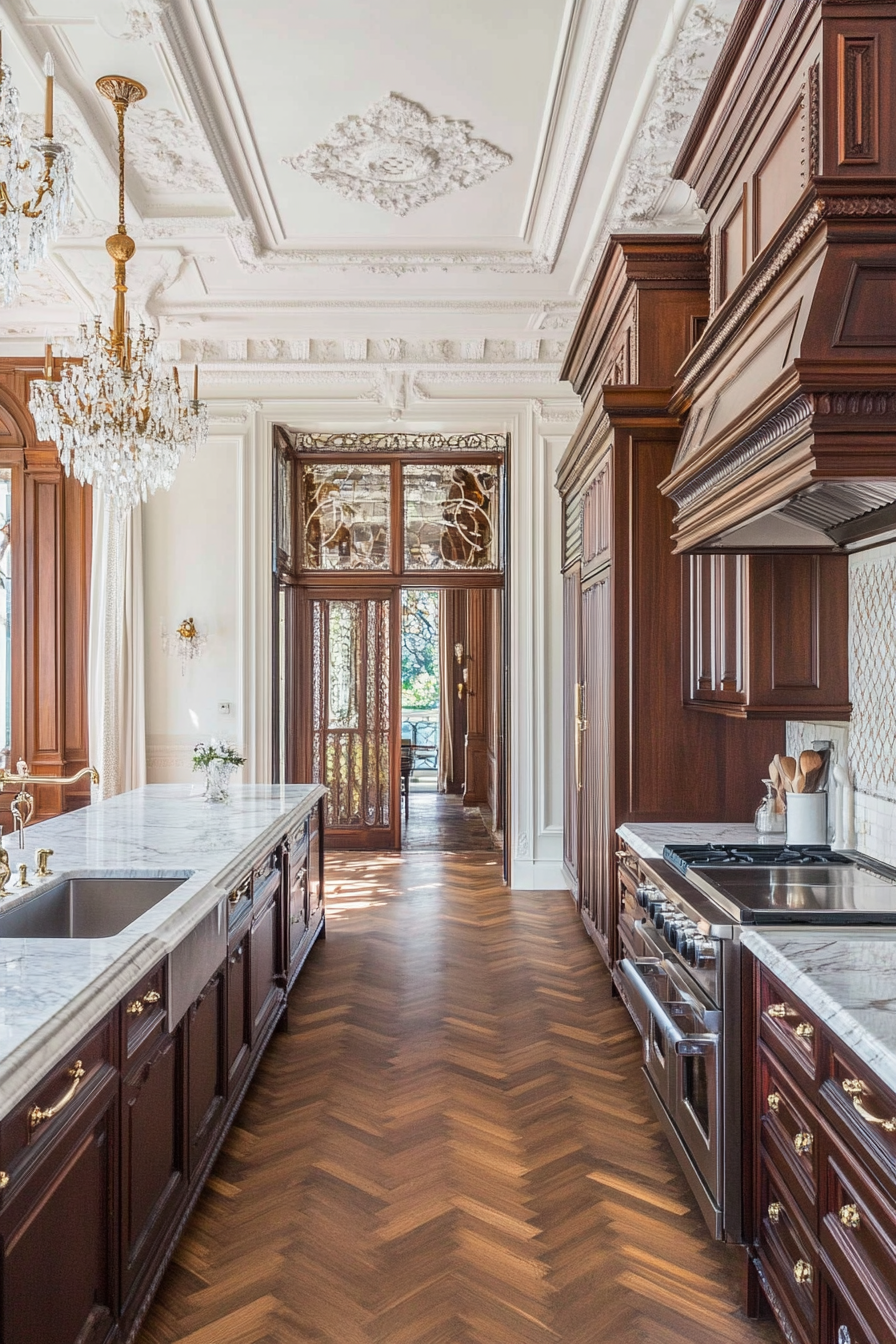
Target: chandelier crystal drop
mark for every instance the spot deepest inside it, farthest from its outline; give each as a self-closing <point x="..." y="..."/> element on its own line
<point x="35" y="186"/>
<point x="121" y="421"/>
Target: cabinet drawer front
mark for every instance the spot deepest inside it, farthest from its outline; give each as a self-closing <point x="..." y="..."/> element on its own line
<point x="788" y="1133"/>
<point x="55" y="1102"/>
<point x="861" y="1109"/>
<point x="858" y="1235"/>
<point x="791" y="1034"/>
<point x="842" y="1323"/>
<point x="144" y="1014"/>
<point x="788" y="1250"/>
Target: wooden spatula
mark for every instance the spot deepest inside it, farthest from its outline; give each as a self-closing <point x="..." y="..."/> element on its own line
<point x="810" y="766"/>
<point x="787" y="770"/>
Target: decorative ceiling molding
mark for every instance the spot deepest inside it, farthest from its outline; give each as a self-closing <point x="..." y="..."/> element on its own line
<point x="165" y="151"/>
<point x="330" y="352"/>
<point x="253" y="257"/>
<point x="398" y="157"/>
<point x="647" y="197"/>
<point x="371" y="377"/>
<point x="606" y="28"/>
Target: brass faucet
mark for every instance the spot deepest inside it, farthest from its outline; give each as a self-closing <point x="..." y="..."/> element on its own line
<point x="22" y="806"/>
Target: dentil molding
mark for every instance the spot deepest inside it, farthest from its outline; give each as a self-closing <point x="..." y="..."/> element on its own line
<point x="398" y="157"/>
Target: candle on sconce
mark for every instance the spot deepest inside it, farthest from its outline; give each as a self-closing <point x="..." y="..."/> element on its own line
<point x="48" y="362"/>
<point x="195" y="382"/>
<point x="48" y="105"/>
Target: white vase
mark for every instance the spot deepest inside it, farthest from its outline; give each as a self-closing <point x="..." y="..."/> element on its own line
<point x="217" y="781"/>
<point x="807" y="818"/>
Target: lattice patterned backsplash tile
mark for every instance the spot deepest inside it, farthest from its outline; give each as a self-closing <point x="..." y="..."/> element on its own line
<point x="872" y="736"/>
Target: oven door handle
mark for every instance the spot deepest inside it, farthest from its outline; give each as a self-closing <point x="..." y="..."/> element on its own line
<point x="682" y="1043"/>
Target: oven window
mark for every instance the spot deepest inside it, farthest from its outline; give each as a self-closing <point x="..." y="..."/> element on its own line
<point x="696" y="1089"/>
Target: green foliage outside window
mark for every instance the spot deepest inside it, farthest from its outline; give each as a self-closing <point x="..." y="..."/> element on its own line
<point x="419" y="649"/>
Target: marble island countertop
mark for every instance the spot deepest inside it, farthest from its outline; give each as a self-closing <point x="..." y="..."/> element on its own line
<point x="647" y="838"/>
<point x="847" y="977"/>
<point x="54" y="990"/>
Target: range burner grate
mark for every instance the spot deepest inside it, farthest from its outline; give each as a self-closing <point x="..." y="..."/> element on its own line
<point x="684" y="857"/>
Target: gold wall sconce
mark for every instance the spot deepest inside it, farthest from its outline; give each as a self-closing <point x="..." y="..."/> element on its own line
<point x="187" y="643"/>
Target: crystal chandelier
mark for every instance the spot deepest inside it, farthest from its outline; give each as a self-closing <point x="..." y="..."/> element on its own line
<point x="35" y="186"/>
<point x="120" y="420"/>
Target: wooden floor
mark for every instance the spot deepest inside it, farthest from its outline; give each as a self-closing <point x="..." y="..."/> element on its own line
<point x="440" y="821"/>
<point x="451" y="1144"/>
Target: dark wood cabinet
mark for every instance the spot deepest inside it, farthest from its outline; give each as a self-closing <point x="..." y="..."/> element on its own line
<point x="266" y="981"/>
<point x="102" y="1161"/>
<point x="57" y="1229"/>
<point x="239" y="1020"/>
<point x="206" y="1087"/>
<point x="766" y="635"/>
<point x="823" y="1176"/>
<point x="153" y="1166"/>
<point x="634" y="751"/>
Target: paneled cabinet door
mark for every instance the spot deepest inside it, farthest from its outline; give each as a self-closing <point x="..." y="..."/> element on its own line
<point x="206" y="1083"/>
<point x="767" y="635"/>
<point x="152" y="1159"/>
<point x="315" y="868"/>
<point x="297" y="911"/>
<point x="573" y="723"/>
<point x="597" y="880"/>
<point x="58" y="1237"/>
<point x="239" y="1014"/>
<point x="266" y="989"/>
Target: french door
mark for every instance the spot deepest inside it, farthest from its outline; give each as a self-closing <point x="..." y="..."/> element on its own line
<point x="351" y="727"/>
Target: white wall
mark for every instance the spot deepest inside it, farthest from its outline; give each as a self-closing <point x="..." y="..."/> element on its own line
<point x="207" y="555"/>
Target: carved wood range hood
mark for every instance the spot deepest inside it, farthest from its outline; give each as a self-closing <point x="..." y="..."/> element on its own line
<point x="789" y="397"/>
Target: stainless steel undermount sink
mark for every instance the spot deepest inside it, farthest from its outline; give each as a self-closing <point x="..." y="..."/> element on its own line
<point x="85" y="907"/>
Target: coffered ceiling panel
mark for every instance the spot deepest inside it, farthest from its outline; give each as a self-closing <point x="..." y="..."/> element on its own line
<point x="344" y="183"/>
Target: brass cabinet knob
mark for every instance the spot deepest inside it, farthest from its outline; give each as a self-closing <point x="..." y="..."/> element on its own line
<point x="135" y="1008"/>
<point x="802" y="1142"/>
<point x="806" y="1030"/>
<point x="802" y="1272"/>
<point x="774" y="1101"/>
<point x="778" y="1010"/>
<point x="774" y="1212"/>
<point x="849" y="1216"/>
<point x="151" y="996"/>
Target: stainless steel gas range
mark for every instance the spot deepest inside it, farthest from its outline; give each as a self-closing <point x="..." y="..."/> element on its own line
<point x="681" y="981"/>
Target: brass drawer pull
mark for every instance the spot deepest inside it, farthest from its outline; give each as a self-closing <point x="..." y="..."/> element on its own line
<point x="849" y="1216"/>
<point x="135" y="1008"/>
<point x="855" y="1089"/>
<point x="151" y="996"/>
<point x="774" y="1211"/>
<point x="36" y="1116"/>
<point x="235" y="897"/>
<point x="802" y="1272"/>
<point x="774" y="1101"/>
<point x="4" y="1179"/>
<point x="806" y="1030"/>
<point x="779" y="1010"/>
<point x="802" y="1142"/>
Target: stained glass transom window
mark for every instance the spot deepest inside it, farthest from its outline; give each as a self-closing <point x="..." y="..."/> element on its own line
<point x="451" y="514"/>
<point x="346" y="515"/>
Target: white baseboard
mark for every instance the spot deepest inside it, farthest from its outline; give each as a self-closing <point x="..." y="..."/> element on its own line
<point x="538" y="875"/>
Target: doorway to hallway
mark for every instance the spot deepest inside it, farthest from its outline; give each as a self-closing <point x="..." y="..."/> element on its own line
<point x="390" y="677"/>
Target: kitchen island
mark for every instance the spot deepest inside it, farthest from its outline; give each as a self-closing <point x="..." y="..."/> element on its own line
<point x="123" y="1059"/>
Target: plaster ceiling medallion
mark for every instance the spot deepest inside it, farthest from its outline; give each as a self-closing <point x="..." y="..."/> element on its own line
<point x="398" y="157"/>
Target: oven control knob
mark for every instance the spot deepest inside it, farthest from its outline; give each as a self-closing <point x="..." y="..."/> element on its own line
<point x="644" y="893"/>
<point x="681" y="932"/>
<point x="672" y="930"/>
<point x="703" y="952"/>
<point x="658" y="909"/>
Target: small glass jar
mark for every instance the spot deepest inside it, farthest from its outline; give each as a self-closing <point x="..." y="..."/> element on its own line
<point x="768" y="821"/>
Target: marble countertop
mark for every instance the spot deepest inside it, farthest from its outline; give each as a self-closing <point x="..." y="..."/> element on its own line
<point x="55" y="990"/>
<point x="647" y="838"/>
<point x="848" y="978"/>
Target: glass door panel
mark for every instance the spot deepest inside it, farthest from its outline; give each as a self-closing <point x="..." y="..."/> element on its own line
<point x="351" y="699"/>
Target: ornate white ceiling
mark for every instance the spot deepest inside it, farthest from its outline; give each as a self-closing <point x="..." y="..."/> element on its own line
<point x="375" y="194"/>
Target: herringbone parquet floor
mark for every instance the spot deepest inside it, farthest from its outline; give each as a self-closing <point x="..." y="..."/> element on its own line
<point x="451" y="1144"/>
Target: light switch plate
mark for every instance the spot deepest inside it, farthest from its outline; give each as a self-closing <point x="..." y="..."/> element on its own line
<point x="223" y="706"/>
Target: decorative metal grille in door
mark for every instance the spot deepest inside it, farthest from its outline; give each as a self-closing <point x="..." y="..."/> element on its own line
<point x="351" y="749"/>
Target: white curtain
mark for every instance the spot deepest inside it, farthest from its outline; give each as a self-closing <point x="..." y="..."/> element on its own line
<point x="115" y="671"/>
<point x="446" y="693"/>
